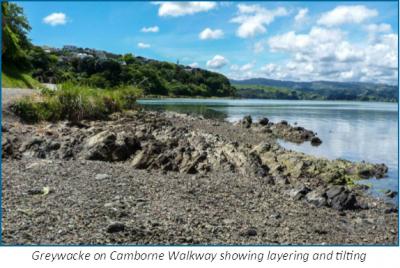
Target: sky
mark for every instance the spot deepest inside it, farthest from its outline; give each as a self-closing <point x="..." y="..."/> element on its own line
<point x="299" y="41"/>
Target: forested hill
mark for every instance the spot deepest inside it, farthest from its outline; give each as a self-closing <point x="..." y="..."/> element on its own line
<point x="324" y="90"/>
<point x="106" y="70"/>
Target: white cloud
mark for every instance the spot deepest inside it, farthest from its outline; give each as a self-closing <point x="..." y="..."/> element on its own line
<point x="143" y="45"/>
<point x="374" y="31"/>
<point x="379" y="28"/>
<point x="301" y="15"/>
<point x="194" y="65"/>
<point x="253" y="19"/>
<point x="326" y="54"/>
<point x="347" y="14"/>
<point x="244" y="71"/>
<point x="217" y="62"/>
<point x="211" y="34"/>
<point x="55" y="19"/>
<point x="153" y="29"/>
<point x="244" y="68"/>
<point x="176" y="9"/>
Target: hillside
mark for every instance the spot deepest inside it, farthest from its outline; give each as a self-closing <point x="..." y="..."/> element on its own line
<point x="323" y="90"/>
<point x="100" y="69"/>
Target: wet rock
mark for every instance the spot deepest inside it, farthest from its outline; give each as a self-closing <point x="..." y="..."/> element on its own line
<point x="264" y="121"/>
<point x="283" y="122"/>
<point x="391" y="194"/>
<point x="391" y="209"/>
<point x="365" y="173"/>
<point x="315" y="141"/>
<point x="380" y="170"/>
<point x="115" y="227"/>
<point x="247" y="121"/>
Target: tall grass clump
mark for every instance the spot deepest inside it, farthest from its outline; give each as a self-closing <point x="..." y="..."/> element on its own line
<point x="74" y="103"/>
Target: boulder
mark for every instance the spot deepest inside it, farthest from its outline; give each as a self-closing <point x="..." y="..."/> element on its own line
<point x="340" y="198"/>
<point x="247" y="121"/>
<point x="299" y="192"/>
<point x="317" y="198"/>
<point x="108" y="146"/>
<point x="391" y="194"/>
<point x="115" y="227"/>
<point x="264" y="121"/>
<point x="315" y="141"/>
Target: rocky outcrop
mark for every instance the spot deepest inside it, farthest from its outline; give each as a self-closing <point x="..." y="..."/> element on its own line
<point x="110" y="146"/>
<point x="149" y="140"/>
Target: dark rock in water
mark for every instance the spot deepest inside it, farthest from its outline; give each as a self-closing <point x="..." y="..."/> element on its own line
<point x="380" y="170"/>
<point x="299" y="128"/>
<point x="391" y="209"/>
<point x="264" y="121"/>
<point x="247" y="121"/>
<point x="391" y="194"/>
<point x="299" y="192"/>
<point x="315" y="141"/>
<point x="115" y="227"/>
<point x="365" y="173"/>
<point x="284" y="122"/>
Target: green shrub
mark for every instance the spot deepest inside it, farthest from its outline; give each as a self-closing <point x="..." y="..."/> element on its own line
<point x="75" y="103"/>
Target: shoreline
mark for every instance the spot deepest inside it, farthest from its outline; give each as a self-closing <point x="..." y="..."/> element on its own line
<point x="180" y="161"/>
<point x="161" y="97"/>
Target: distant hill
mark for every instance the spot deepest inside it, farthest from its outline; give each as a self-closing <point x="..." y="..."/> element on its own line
<point x="324" y="90"/>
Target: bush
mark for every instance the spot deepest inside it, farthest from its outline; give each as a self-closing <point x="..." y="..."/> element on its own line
<point x="75" y="103"/>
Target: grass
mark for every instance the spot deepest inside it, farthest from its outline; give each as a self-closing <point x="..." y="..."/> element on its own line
<point x="11" y="77"/>
<point x="74" y="103"/>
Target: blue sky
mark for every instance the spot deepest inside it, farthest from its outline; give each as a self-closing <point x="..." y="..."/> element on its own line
<point x="338" y="41"/>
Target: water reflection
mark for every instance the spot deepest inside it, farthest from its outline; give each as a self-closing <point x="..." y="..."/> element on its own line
<point x="355" y="131"/>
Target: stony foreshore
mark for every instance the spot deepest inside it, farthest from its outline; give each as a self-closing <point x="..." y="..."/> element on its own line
<point x="166" y="178"/>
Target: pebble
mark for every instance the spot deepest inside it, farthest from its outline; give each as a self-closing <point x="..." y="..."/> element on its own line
<point x="115" y="227"/>
<point x="102" y="177"/>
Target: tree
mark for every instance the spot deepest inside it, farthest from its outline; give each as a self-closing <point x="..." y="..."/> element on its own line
<point x="15" y="28"/>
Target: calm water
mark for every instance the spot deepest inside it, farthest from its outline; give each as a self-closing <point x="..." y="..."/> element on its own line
<point x="350" y="130"/>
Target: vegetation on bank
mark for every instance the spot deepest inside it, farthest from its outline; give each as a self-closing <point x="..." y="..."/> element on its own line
<point x="14" y="78"/>
<point x="320" y="90"/>
<point x="75" y="103"/>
